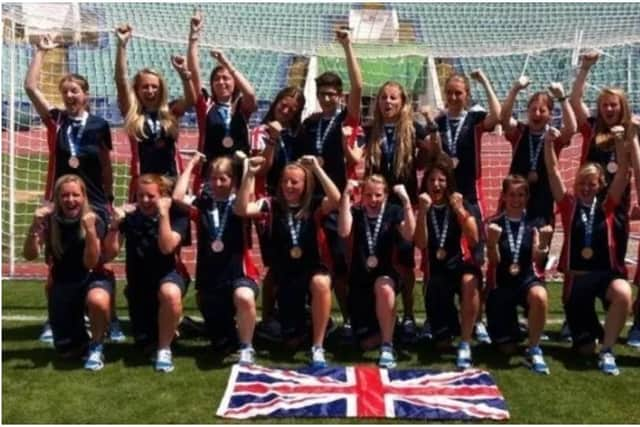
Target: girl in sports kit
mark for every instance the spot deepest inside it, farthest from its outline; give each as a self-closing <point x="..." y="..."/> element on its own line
<point x="151" y="124"/>
<point x="156" y="279"/>
<point x="526" y="143"/>
<point x="517" y="247"/>
<point x="373" y="281"/>
<point x="225" y="273"/>
<point x="222" y="117"/>
<point x="299" y="252"/>
<point x="70" y="232"/>
<point x="588" y="260"/>
<point x="460" y="131"/>
<point x="391" y="150"/>
<point x="447" y="233"/>
<point x="79" y="143"/>
<point x="612" y="110"/>
<point x="278" y="140"/>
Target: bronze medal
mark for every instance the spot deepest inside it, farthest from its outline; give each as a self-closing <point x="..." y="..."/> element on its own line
<point x="227" y="142"/>
<point x="455" y="162"/>
<point x="295" y="252"/>
<point x="74" y="162"/>
<point x="441" y="254"/>
<point x="514" y="269"/>
<point x="586" y="252"/>
<point x="217" y="246"/>
<point x="372" y="261"/>
<point x="612" y="167"/>
<point x="532" y="177"/>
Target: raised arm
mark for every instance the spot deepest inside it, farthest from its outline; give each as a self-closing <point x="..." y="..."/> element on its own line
<point x="421" y="238"/>
<point x="123" y="34"/>
<point x="345" y="218"/>
<point x="91" y="254"/>
<point x="541" y="244"/>
<point x="113" y="239"/>
<point x="494" y="231"/>
<point x="182" y="184"/>
<point x="35" y="234"/>
<point x="558" y="189"/>
<point x="249" y="103"/>
<point x="355" y="75"/>
<point x="180" y="65"/>
<point x="32" y="80"/>
<point x="625" y="151"/>
<point x="494" y="105"/>
<point x="168" y="240"/>
<point x="355" y="153"/>
<point x="332" y="194"/>
<point x="408" y="224"/>
<point x="465" y="219"/>
<point x="569" y="125"/>
<point x="506" y="119"/>
<point x="193" y="58"/>
<point x="587" y="61"/>
<point x="244" y="205"/>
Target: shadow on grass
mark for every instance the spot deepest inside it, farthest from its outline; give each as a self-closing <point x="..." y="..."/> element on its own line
<point x="22" y="333"/>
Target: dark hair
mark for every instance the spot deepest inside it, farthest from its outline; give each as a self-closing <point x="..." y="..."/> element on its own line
<point x="295" y="93"/>
<point x="216" y="70"/>
<point x="329" y="78"/>
<point x="444" y="164"/>
<point x="513" y="180"/>
<point x="541" y="95"/>
<point x="76" y="78"/>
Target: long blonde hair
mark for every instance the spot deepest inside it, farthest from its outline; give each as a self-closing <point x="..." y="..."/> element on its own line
<point x="603" y="135"/>
<point x="309" y="187"/>
<point x="55" y="235"/>
<point x="405" y="136"/>
<point x="134" y="119"/>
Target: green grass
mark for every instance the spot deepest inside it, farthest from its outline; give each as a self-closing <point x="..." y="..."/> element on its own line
<point x="39" y="388"/>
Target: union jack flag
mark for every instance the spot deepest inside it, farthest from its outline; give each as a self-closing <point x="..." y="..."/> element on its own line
<point x="361" y="391"/>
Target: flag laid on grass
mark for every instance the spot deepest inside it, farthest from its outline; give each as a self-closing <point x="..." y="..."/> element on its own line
<point x="361" y="391"/>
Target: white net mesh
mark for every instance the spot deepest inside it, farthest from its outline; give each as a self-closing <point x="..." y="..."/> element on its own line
<point x="272" y="45"/>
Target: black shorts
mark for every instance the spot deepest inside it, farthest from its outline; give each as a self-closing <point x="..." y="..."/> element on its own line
<point x="67" y="305"/>
<point x="502" y="310"/>
<point x="439" y="300"/>
<point x="143" y="304"/>
<point x="218" y="310"/>
<point x="362" y="305"/>
<point x="580" y="304"/>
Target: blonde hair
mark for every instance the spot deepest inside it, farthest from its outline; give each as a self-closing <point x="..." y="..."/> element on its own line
<point x="164" y="183"/>
<point x="602" y="130"/>
<point x="309" y="187"/>
<point x="465" y="80"/>
<point x="134" y="119"/>
<point x="55" y="235"/>
<point x="589" y="169"/>
<point x="375" y="179"/>
<point x="405" y="134"/>
<point x="223" y="164"/>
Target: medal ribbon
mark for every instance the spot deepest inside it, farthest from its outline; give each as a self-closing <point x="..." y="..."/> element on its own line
<point x="154" y="127"/>
<point x="441" y="236"/>
<point x="534" y="155"/>
<point x="294" y="228"/>
<point x="219" y="225"/>
<point x="588" y="222"/>
<point x="387" y="147"/>
<point x="223" y="111"/>
<point x="320" y="139"/>
<point x="514" y="246"/>
<point x="75" y="130"/>
<point x="452" y="143"/>
<point x="372" y="240"/>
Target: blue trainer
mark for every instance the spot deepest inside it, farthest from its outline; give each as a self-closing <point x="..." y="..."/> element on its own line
<point x="164" y="361"/>
<point x="607" y="363"/>
<point x="46" y="335"/>
<point x="536" y="362"/>
<point x="115" y="332"/>
<point x="317" y="358"/>
<point x="481" y="334"/>
<point x="387" y="358"/>
<point x="95" y="357"/>
<point x="463" y="359"/>
<point x="633" y="339"/>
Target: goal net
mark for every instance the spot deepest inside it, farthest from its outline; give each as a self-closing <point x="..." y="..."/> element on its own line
<point x="280" y="44"/>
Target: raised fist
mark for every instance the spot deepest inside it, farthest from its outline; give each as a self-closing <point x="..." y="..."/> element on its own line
<point x="401" y="192"/>
<point x="89" y="221"/>
<point x="274" y="129"/>
<point x="179" y="62"/>
<point x="42" y="212"/>
<point x="310" y="162"/>
<point x="588" y="59"/>
<point x="163" y="204"/>
<point x="218" y="55"/>
<point x="494" y="231"/>
<point x="255" y="163"/>
<point x="352" y="184"/>
<point x="424" y="201"/>
<point x="521" y="83"/>
<point x="546" y="233"/>
<point x="45" y="43"/>
<point x="124" y="32"/>
<point x="556" y="90"/>
<point x="551" y="135"/>
<point x="478" y="75"/>
<point x="196" y="22"/>
<point x="455" y="200"/>
<point x="343" y="36"/>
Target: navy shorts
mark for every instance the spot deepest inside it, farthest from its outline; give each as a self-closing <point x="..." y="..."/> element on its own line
<point x="502" y="310"/>
<point x="580" y="305"/>
<point x="362" y="305"/>
<point x="405" y="253"/>
<point x="292" y="296"/>
<point x="337" y="246"/>
<point x="218" y="310"/>
<point x="67" y="306"/>
<point x="439" y="301"/>
<point x="142" y="298"/>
